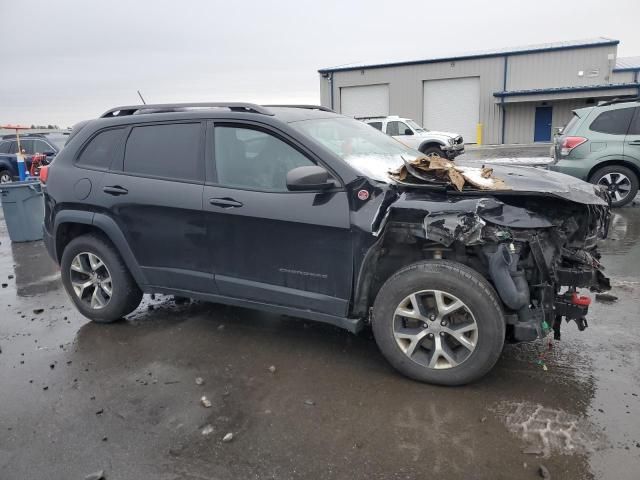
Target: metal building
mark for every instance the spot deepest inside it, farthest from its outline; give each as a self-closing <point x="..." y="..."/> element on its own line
<point x="516" y="95"/>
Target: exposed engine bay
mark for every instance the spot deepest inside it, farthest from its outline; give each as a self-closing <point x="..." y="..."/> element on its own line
<point x="537" y="248"/>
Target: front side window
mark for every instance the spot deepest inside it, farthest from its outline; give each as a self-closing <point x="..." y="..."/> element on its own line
<point x="99" y="152"/>
<point x="168" y="150"/>
<point x="396" y="128"/>
<point x="370" y="152"/>
<point x="613" y="122"/>
<point x="253" y="159"/>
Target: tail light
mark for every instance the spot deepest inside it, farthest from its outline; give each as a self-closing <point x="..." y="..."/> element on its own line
<point x="569" y="143"/>
<point x="44" y="173"/>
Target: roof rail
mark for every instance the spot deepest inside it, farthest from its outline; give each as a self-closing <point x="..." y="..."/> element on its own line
<point x="308" y="107"/>
<point x="182" y="107"/>
<point x="618" y="100"/>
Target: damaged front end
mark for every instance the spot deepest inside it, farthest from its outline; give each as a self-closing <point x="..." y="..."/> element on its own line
<point x="534" y="237"/>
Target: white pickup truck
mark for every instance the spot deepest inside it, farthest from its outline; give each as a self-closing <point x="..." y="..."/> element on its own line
<point x="405" y="130"/>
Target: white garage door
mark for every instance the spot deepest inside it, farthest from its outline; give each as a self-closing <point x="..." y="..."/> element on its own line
<point x="453" y="105"/>
<point x="366" y="101"/>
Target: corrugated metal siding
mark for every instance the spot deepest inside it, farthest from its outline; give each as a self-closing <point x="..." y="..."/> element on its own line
<point x="520" y="119"/>
<point x="623" y="77"/>
<point x="560" y="69"/>
<point x="406" y="88"/>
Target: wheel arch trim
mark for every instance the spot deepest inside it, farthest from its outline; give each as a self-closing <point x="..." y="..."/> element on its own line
<point x="110" y="229"/>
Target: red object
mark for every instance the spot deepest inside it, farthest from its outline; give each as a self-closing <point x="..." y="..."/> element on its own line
<point x="569" y="143"/>
<point x="580" y="300"/>
<point x="363" y="195"/>
<point x="36" y="162"/>
<point x="44" y="173"/>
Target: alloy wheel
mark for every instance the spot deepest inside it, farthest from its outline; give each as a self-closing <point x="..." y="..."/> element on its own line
<point x="618" y="185"/>
<point x="91" y="280"/>
<point x="5" y="178"/>
<point x="435" y="329"/>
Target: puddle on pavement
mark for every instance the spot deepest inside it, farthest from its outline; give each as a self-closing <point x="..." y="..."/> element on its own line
<point x="549" y="431"/>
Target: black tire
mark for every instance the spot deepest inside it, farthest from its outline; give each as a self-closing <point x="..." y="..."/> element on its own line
<point x="126" y="295"/>
<point x="434" y="150"/>
<point x="598" y="175"/>
<point x="5" y="176"/>
<point x="465" y="284"/>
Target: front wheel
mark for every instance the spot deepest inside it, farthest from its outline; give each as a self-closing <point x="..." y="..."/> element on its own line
<point x="620" y="182"/>
<point x="97" y="280"/>
<point x="439" y="322"/>
<point x="434" y="152"/>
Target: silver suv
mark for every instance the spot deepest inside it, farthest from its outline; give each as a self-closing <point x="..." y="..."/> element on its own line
<point x="408" y="132"/>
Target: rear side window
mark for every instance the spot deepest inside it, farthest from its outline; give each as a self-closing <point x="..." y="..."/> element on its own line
<point x="4" y="147"/>
<point x="613" y="122"/>
<point x="100" y="151"/>
<point x="376" y="125"/>
<point x="568" y="128"/>
<point x="169" y="151"/>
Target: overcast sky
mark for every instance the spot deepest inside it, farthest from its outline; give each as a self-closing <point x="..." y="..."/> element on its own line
<point x="67" y="60"/>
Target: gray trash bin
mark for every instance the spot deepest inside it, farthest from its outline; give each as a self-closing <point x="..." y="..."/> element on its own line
<point x="23" y="207"/>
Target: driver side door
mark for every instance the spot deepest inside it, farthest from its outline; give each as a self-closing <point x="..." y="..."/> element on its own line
<point x="268" y="244"/>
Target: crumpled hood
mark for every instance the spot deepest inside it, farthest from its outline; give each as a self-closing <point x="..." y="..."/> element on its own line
<point x="501" y="180"/>
<point x="537" y="180"/>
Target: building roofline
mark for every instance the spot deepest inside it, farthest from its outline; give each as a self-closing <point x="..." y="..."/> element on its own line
<point x="582" y="88"/>
<point x="506" y="53"/>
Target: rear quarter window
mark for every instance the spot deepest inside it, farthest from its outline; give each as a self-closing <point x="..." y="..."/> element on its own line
<point x="100" y="150"/>
<point x="376" y="125"/>
<point x="613" y="122"/>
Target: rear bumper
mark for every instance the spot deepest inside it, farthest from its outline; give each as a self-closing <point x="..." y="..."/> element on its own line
<point x="575" y="168"/>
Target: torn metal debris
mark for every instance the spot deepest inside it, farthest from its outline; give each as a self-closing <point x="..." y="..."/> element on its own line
<point x="433" y="168"/>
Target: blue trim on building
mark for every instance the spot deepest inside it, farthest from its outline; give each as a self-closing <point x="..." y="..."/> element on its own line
<point x="471" y="56"/>
<point x="627" y="69"/>
<point x="585" y="88"/>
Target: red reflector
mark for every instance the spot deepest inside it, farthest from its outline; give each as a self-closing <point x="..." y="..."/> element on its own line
<point x="44" y="173"/>
<point x="580" y="300"/>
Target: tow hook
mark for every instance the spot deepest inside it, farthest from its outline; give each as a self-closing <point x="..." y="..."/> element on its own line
<point x="571" y="306"/>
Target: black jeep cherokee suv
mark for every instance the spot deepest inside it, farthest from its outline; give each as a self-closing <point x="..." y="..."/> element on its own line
<point x="292" y="210"/>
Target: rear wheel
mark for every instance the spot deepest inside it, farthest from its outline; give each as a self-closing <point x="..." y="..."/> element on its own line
<point x="621" y="183"/>
<point x="439" y="322"/>
<point x="97" y="280"/>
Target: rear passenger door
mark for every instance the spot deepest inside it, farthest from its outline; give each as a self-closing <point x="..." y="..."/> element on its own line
<point x="632" y="141"/>
<point x="154" y="193"/>
<point x="610" y="127"/>
<point x="268" y="244"/>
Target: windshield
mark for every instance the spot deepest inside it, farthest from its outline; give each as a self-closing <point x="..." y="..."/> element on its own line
<point x="416" y="127"/>
<point x="366" y="149"/>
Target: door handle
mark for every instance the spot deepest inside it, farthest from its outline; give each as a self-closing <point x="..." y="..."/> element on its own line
<point x="634" y="142"/>
<point x="115" y="190"/>
<point x="225" y="202"/>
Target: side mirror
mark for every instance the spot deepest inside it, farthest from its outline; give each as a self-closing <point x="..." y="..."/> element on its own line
<point x="312" y="177"/>
<point x="408" y="131"/>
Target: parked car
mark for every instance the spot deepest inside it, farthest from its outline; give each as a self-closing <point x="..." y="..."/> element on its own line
<point x="48" y="144"/>
<point x="291" y="210"/>
<point x="601" y="144"/>
<point x="444" y="144"/>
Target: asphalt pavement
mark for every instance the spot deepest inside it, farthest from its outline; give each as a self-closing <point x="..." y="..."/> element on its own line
<point x="302" y="400"/>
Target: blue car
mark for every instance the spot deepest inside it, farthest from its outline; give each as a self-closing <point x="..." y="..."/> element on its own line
<point x="48" y="144"/>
